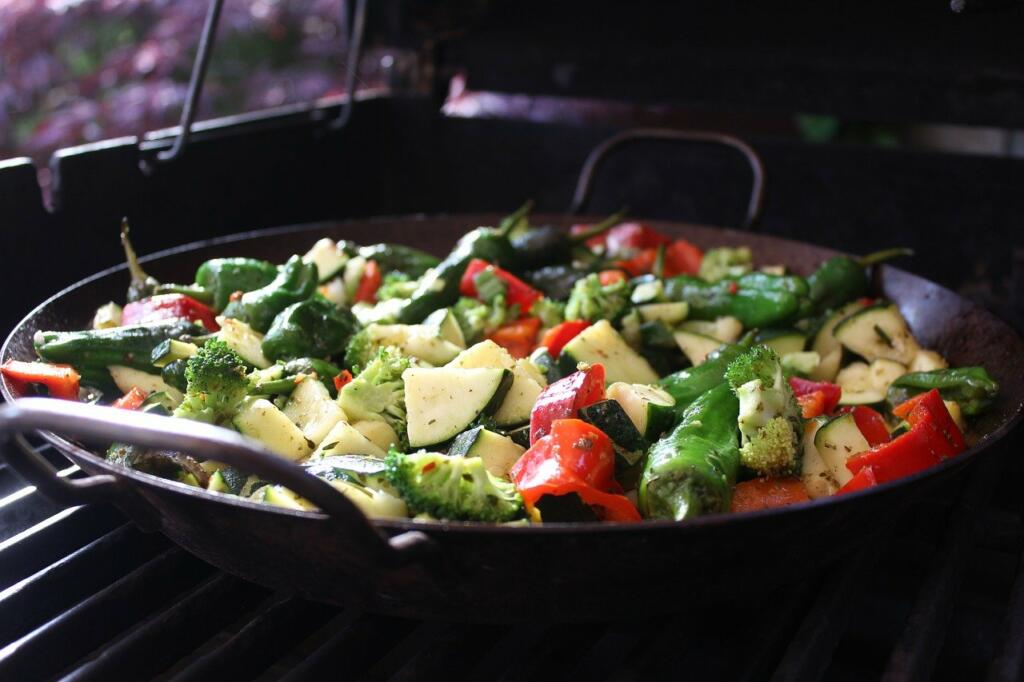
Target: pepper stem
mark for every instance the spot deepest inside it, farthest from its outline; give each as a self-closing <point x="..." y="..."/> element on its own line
<point x="510" y="221"/>
<point x="658" y="269"/>
<point x="137" y="273"/>
<point x="884" y="255"/>
<point x="603" y="226"/>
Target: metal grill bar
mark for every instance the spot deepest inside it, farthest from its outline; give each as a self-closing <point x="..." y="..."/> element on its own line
<point x="357" y="641"/>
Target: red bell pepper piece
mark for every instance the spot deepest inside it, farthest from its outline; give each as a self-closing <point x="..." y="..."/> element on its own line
<point x="564" y="398"/>
<point x="132" y="400"/>
<point x="61" y="381"/>
<point x="518" y="291"/>
<point x="556" y="337"/>
<point x="930" y="409"/>
<point x="609" y="277"/>
<point x="682" y="258"/>
<point x="865" y="478"/>
<point x="575" y="458"/>
<point x="871" y="424"/>
<point x="169" y="307"/>
<point x="626" y="237"/>
<point x="640" y="264"/>
<point x="366" y="292"/>
<point x="812" y="404"/>
<point x="767" y="493"/>
<point x="343" y="378"/>
<point x="830" y="395"/>
<point x="518" y="337"/>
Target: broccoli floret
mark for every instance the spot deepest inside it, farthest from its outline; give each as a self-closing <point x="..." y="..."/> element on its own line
<point x="454" y="488"/>
<point x="726" y="262"/>
<point x="590" y="300"/>
<point x="378" y="391"/>
<point x="360" y="351"/>
<point x="396" y="285"/>
<point x="217" y="382"/>
<point x="769" y="419"/>
<point x="472" y="316"/>
<point x="551" y="313"/>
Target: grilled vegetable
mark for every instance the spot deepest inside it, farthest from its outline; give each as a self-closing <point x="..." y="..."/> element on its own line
<point x="970" y="387"/>
<point x="756" y="299"/>
<point x="223" y="277"/>
<point x="687" y="385"/>
<point x="842" y="279"/>
<point x="295" y="282"/>
<point x="313" y="328"/>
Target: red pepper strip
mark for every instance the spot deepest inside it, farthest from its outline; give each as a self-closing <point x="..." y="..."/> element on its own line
<point x="865" y="478"/>
<point x="640" y="264"/>
<point x="342" y="379"/>
<point x="593" y="242"/>
<point x="169" y="307"/>
<point x="626" y="237"/>
<point x="576" y="457"/>
<point x="62" y="381"/>
<point x="519" y="337"/>
<point x="871" y="424"/>
<point x="366" y="292"/>
<point x="682" y="258"/>
<point x="556" y="337"/>
<point x="932" y="410"/>
<point x="812" y="404"/>
<point x="831" y="393"/>
<point x="608" y="277"/>
<point x="767" y="493"/>
<point x="518" y="291"/>
<point x="132" y="400"/>
<point x="564" y="398"/>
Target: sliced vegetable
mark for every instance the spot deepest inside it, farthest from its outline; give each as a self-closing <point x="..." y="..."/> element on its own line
<point x="556" y="337"/>
<point x="517" y="292"/>
<point x="61" y="381"/>
<point x="564" y="399"/>
<point x="815" y="397"/>
<point x="169" y="307"/>
<point x="499" y="453"/>
<point x="878" y="331"/>
<point x="370" y="281"/>
<point x="600" y="343"/>
<point x="836" y="442"/>
<point x="518" y="337"/>
<point x="442" y="402"/>
<point x="651" y="409"/>
<point x="132" y="400"/>
<point x="970" y="387"/>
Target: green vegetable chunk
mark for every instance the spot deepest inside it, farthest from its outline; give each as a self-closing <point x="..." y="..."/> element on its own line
<point x="453" y="488"/>
<point x="756" y="299"/>
<point x="971" y="387"/>
<point x="310" y="328"/>
<point x="692" y="470"/>
<point x="689" y="384"/>
<point x="726" y="262"/>
<point x="590" y="300"/>
<point x="217" y="383"/>
<point x="378" y="392"/>
<point x="222" y="277"/>
<point x="295" y="282"/>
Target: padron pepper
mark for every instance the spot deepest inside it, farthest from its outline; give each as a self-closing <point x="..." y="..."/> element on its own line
<point x="549" y="245"/>
<point x="689" y="384"/>
<point x="756" y="299"/>
<point x="222" y="277"/>
<point x="295" y="282"/>
<point x="396" y="257"/>
<point x="842" y="279"/>
<point x="970" y="387"/>
<point x="311" y="328"/>
<point x="692" y="470"/>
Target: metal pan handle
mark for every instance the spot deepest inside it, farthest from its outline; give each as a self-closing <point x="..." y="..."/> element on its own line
<point x="196" y="438"/>
<point x="601" y="152"/>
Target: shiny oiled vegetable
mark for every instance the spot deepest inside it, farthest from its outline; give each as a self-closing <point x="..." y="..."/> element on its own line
<point x="692" y="470"/>
<point x="311" y="328"/>
<point x="971" y="387"/>
<point x="842" y="279"/>
<point x="689" y="384"/>
<point x="222" y="277"/>
<point x="756" y="299"/>
<point x="295" y="282"/>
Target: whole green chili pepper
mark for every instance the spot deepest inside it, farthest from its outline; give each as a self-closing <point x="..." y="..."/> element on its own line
<point x="692" y="470"/>
<point x="396" y="257"/>
<point x="550" y="245"/>
<point x="325" y="371"/>
<point x="689" y="384"/>
<point x="295" y="282"/>
<point x="221" y="277"/>
<point x="311" y="328"/>
<point x="842" y="279"/>
<point x="971" y="387"/>
<point x="756" y="299"/>
<point x="173" y="374"/>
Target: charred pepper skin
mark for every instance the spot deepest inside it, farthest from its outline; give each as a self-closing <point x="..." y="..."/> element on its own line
<point x="756" y="299"/>
<point x="296" y="281"/>
<point x="692" y="471"/>
<point x="971" y="387"/>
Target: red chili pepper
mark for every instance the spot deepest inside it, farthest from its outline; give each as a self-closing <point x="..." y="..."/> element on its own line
<point x="865" y="478"/>
<point x="575" y="458"/>
<point x="519" y="337"/>
<point x="518" y="291"/>
<point x="132" y="400"/>
<point x="169" y="307"/>
<point x="366" y="292"/>
<point x="608" y="277"/>
<point x="767" y="493"/>
<point x="342" y="379"/>
<point x="871" y="424"/>
<point x="564" y="398"/>
<point x="556" y="337"/>
<point x="682" y="258"/>
<point x="61" y="381"/>
<point x="830" y="394"/>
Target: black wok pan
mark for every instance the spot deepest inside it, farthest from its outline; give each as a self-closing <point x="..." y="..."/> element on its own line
<point x="477" y="572"/>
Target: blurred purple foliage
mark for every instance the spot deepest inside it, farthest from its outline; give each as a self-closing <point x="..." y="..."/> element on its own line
<point x="74" y="71"/>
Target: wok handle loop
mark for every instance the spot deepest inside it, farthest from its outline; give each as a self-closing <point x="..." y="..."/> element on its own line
<point x="69" y="492"/>
<point x="601" y="152"/>
<point x="196" y="438"/>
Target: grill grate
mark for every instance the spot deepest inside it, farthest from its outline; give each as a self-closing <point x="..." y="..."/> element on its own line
<point x="88" y="596"/>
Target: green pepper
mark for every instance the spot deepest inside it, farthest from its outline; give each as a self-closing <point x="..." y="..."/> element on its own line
<point x="842" y="279"/>
<point x="311" y="328"/>
<point x="756" y="299"/>
<point x="173" y="374"/>
<point x="548" y="245"/>
<point x="295" y="282"/>
<point x="689" y="384"/>
<point x="399" y="258"/>
<point x="325" y="371"/>
<point x="692" y="470"/>
<point x="221" y="277"/>
<point x="971" y="387"/>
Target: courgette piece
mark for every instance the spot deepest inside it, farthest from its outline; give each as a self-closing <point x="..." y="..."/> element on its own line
<point x="329" y="258"/>
<point x="170" y="350"/>
<point x="279" y="496"/>
<point x="446" y="326"/>
<point x="543" y="360"/>
<point x="927" y="361"/>
<point x="345" y="439"/>
<point x="837" y="441"/>
<point x="311" y="409"/>
<point x="159" y="402"/>
<point x="657" y="334"/>
<point x="414" y="340"/>
<point x="802" y="363"/>
<point x="379" y="433"/>
<point x="726" y="329"/>
<point x="828" y="347"/>
<point x="601" y="344"/>
<point x="669" y="313"/>
<point x="610" y="417"/>
<point x="696" y="347"/>
<point x="520" y="436"/>
<point x="878" y="331"/>
<point x="443" y="402"/>
<point x="868" y="384"/>
<point x="497" y="452"/>
<point x="522" y="394"/>
<point x="358" y="470"/>
<point x="651" y="409"/>
<point x="782" y="341"/>
<point x="815" y="474"/>
<point x="260" y="419"/>
<point x="244" y="340"/>
<point x="216" y="484"/>
<point x="127" y="377"/>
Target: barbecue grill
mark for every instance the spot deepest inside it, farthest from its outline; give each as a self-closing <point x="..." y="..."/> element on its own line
<point x="939" y="593"/>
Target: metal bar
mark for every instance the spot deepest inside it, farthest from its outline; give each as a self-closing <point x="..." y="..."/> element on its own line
<point x="355" y="50"/>
<point x="51" y="648"/>
<point x="914" y="655"/>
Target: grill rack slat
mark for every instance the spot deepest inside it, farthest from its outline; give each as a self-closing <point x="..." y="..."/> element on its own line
<point x="282" y="637"/>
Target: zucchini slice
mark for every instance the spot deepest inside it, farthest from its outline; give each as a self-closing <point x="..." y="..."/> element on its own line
<point x="782" y="341"/>
<point x="522" y="394"/>
<point x="657" y="334"/>
<point x="261" y="420"/>
<point x="826" y="345"/>
<point x="127" y="377"/>
<point x="377" y="432"/>
<point x="345" y="439"/>
<point x="696" y="346"/>
<point x="803" y="362"/>
<point x="244" y="340"/>
<point x="311" y="409"/>
<point x="328" y="258"/>
<point x="927" y="361"/>
<point x="497" y="452"/>
<point x="446" y="326"/>
<point x="520" y="436"/>
<point x="837" y="441"/>
<point x="442" y="402"/>
<point x="867" y="384"/>
<point x="601" y="344"/>
<point x="726" y="328"/>
<point x="878" y="331"/>
<point x="610" y="417"/>
<point x="815" y="474"/>
<point x="669" y="313"/>
<point x="415" y="340"/>
<point x="650" y="408"/>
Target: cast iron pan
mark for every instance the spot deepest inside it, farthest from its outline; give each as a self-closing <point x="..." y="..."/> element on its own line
<point x="477" y="572"/>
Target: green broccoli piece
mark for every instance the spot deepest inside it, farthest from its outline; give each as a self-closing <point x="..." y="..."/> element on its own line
<point x="453" y="488"/>
<point x="472" y="316"/>
<point x="769" y="419"/>
<point x="360" y="351"/>
<point x="217" y="380"/>
<point x="378" y="391"/>
<point x="726" y="262"/>
<point x="590" y="300"/>
<point x="396" y="285"/>
<point x="551" y="313"/>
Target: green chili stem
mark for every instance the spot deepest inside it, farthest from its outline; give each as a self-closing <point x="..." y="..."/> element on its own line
<point x="137" y="273"/>
<point x="658" y="269"/>
<point x="881" y="256"/>
<point x="510" y="221"/>
<point x="603" y="226"/>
